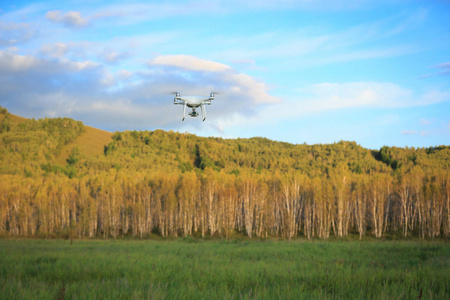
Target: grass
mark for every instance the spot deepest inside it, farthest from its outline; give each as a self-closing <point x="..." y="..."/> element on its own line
<point x="91" y="143"/>
<point x="195" y="269"/>
<point x="13" y="118"/>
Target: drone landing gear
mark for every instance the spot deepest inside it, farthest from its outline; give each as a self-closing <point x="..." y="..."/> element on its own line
<point x="203" y="112"/>
<point x="193" y="113"/>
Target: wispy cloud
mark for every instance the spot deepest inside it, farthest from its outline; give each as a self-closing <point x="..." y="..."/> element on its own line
<point x="15" y="33"/>
<point x="320" y="45"/>
<point x="109" y="56"/>
<point x="140" y="12"/>
<point x="424" y="121"/>
<point x="444" y="70"/>
<point x="408" y="132"/>
<point x="327" y="96"/>
<point x="69" y="19"/>
<point x="445" y="67"/>
<point x="421" y="133"/>
<point x="133" y="13"/>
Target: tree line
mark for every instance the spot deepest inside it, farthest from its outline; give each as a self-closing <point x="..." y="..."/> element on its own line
<point x="219" y="204"/>
<point x="178" y="184"/>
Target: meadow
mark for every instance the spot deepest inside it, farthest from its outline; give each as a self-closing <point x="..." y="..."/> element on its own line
<point x="191" y="268"/>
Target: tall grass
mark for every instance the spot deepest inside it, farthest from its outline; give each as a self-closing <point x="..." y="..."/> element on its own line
<point x="194" y="269"/>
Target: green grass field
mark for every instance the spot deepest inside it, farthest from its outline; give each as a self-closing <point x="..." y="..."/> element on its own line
<point x="195" y="269"/>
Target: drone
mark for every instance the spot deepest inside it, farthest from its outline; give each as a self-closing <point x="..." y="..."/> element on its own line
<point x="193" y="102"/>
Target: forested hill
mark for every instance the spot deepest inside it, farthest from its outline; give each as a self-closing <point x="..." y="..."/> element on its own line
<point x="58" y="174"/>
<point x="185" y="152"/>
<point x="32" y="147"/>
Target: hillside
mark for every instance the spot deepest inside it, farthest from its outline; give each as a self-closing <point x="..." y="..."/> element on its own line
<point x="62" y="177"/>
<point x="89" y="142"/>
<point x="12" y="118"/>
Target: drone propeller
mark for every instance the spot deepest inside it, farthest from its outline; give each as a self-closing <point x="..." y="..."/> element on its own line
<point x="177" y="95"/>
<point x="212" y="94"/>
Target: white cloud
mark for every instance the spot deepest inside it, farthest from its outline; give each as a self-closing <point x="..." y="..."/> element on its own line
<point x="236" y="85"/>
<point x="189" y="62"/>
<point x="124" y="74"/>
<point x="10" y="63"/>
<point x="125" y="99"/>
<point x="16" y="63"/>
<point x="118" y="100"/>
<point x="69" y="19"/>
<point x="256" y="90"/>
<point x="58" y="50"/>
<point x="29" y="82"/>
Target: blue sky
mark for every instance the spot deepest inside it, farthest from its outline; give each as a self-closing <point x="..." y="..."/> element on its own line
<point x="374" y="72"/>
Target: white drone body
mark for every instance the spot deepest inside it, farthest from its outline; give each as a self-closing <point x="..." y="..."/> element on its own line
<point x="193" y="102"/>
